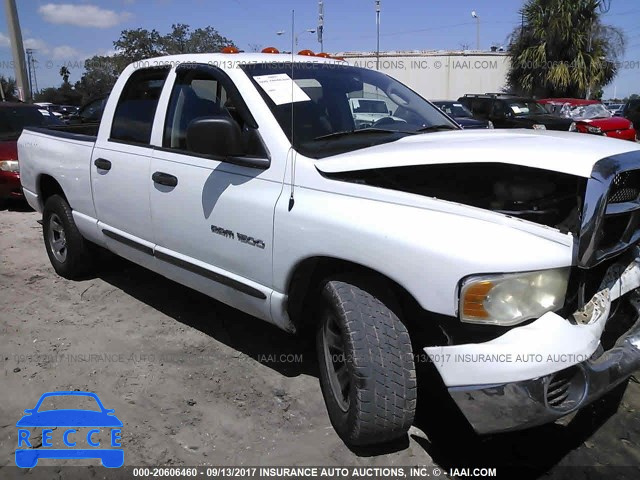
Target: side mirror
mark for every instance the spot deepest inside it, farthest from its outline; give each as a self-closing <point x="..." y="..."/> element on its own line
<point x="219" y="135"/>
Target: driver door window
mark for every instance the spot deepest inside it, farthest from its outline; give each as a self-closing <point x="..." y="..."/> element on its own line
<point x="200" y="94"/>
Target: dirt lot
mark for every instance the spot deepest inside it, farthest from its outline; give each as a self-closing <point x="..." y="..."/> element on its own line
<point x="198" y="383"/>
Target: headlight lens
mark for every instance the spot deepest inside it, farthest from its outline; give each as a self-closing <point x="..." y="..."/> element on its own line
<point x="9" y="166"/>
<point x="591" y="129"/>
<point x="573" y="127"/>
<point x="509" y="299"/>
<point x="539" y="126"/>
<point x="489" y="124"/>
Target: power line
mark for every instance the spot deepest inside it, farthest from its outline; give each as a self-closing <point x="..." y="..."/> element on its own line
<point x="421" y="30"/>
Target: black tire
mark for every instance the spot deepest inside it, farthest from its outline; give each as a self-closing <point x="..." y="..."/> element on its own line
<point x="377" y="404"/>
<point x="70" y="254"/>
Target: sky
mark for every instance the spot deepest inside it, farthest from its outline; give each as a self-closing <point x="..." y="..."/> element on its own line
<point x="68" y="31"/>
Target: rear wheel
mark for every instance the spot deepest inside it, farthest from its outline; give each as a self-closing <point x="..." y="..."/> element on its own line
<point x="68" y="251"/>
<point x="367" y="372"/>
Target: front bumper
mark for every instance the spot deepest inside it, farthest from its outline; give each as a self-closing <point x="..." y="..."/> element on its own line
<point x="628" y="134"/>
<point x="549" y="368"/>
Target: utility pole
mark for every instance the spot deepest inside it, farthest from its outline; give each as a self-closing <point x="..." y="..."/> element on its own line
<point x="477" y="17"/>
<point x="321" y="24"/>
<point x="33" y="81"/>
<point x="17" y="48"/>
<point x="378" y="35"/>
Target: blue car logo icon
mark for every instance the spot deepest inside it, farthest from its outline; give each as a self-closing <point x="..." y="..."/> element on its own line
<point x="68" y="420"/>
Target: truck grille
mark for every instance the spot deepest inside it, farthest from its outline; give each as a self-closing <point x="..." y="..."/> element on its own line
<point x="611" y="213"/>
<point x="625" y="187"/>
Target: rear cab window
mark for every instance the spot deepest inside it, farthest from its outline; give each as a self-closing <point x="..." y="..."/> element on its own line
<point x="136" y="108"/>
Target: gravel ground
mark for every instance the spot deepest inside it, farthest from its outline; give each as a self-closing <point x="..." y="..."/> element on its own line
<point x="198" y="383"/>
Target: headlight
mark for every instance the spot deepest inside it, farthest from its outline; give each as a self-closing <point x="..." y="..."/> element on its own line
<point x="596" y="130"/>
<point x="9" y="166"/>
<point x="539" y="126"/>
<point x="489" y="124"/>
<point x="573" y="127"/>
<point x="509" y="299"/>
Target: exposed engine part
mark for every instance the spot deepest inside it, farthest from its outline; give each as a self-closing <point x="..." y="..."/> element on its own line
<point x="548" y="198"/>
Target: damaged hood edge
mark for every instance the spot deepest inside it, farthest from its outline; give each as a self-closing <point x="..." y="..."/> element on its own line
<point x="565" y="152"/>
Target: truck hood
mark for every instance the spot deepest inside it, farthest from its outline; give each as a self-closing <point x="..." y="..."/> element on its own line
<point x="565" y="152"/>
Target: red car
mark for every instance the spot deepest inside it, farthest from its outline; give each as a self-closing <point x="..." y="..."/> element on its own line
<point x="13" y="118"/>
<point x="591" y="116"/>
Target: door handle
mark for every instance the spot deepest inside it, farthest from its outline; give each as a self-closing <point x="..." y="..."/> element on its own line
<point x="102" y="164"/>
<point x="164" y="179"/>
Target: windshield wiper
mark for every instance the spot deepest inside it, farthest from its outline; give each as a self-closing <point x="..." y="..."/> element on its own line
<point x="355" y="132"/>
<point x="435" y="128"/>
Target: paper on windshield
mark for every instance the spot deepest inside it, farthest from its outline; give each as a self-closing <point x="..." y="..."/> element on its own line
<point x="281" y="89"/>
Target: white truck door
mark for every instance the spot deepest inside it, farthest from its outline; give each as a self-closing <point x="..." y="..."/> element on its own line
<point x="120" y="164"/>
<point x="211" y="217"/>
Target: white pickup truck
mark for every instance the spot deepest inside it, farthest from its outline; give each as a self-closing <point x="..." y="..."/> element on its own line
<point x="506" y="259"/>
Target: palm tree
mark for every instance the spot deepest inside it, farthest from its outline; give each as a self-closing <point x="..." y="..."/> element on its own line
<point x="9" y="88"/>
<point x="64" y="73"/>
<point x="562" y="49"/>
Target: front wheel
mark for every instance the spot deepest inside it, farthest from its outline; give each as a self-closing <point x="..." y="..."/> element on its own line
<point x="68" y="251"/>
<point x="367" y="372"/>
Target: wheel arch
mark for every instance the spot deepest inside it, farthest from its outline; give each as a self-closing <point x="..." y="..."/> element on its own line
<point x="47" y="187"/>
<point x="308" y="274"/>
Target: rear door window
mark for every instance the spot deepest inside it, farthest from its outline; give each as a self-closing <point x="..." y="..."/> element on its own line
<point x="136" y="109"/>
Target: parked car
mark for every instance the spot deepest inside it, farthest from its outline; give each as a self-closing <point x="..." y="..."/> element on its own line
<point x="461" y="114"/>
<point x="615" y="108"/>
<point x="631" y="111"/>
<point x="370" y="112"/>
<point x="496" y="254"/>
<point x="591" y="116"/>
<point x="90" y="112"/>
<point x="13" y="118"/>
<point x="509" y="111"/>
<point x="48" y="107"/>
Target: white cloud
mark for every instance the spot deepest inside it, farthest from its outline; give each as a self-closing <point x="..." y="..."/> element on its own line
<point x="4" y="40"/>
<point x="36" y="44"/>
<point x="82" y="15"/>
<point x="65" y="52"/>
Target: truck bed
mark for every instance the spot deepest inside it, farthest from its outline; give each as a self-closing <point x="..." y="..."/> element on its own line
<point x="82" y="131"/>
<point x="61" y="154"/>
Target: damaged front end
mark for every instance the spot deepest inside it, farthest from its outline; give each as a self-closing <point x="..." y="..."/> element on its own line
<point x="547" y="367"/>
<point x="541" y="196"/>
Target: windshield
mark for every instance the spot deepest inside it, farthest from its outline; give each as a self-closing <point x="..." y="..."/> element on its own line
<point x="326" y="106"/>
<point x="585" y="112"/>
<point x="14" y="119"/>
<point x="524" y="108"/>
<point x="454" y="109"/>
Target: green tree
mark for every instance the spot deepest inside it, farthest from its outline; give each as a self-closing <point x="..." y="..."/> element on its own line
<point x="101" y="72"/>
<point x="562" y="49"/>
<point x="9" y="88"/>
<point x="66" y="94"/>
<point x="64" y="73"/>
<point x="135" y="45"/>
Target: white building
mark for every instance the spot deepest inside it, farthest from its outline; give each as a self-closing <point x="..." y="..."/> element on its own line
<point x="439" y="75"/>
